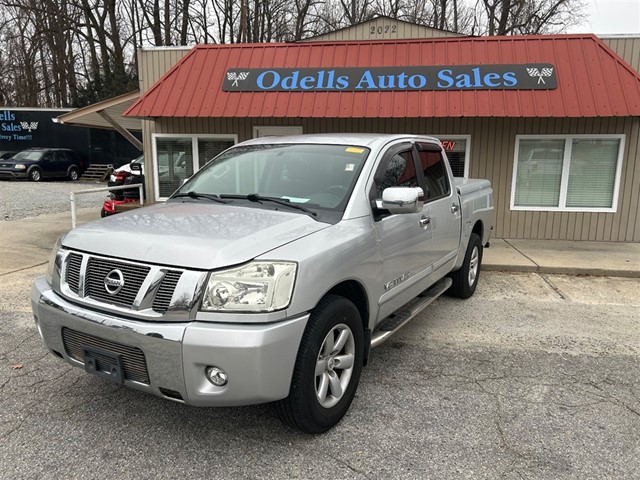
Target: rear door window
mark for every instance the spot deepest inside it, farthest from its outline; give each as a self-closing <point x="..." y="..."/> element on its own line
<point x="435" y="172"/>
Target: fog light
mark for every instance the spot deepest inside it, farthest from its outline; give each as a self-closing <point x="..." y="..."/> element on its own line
<point x="217" y="376"/>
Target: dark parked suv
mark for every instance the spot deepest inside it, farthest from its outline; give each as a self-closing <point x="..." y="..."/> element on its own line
<point x="38" y="163"/>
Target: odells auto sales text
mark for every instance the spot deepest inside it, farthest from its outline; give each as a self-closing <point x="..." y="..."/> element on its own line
<point x="329" y="80"/>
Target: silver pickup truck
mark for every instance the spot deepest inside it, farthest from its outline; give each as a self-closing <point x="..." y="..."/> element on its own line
<point x="269" y="275"/>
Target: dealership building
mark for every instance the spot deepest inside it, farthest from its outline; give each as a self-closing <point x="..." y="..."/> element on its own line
<point x="553" y="121"/>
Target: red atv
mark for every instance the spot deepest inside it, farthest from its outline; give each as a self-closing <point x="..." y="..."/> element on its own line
<point x="130" y="174"/>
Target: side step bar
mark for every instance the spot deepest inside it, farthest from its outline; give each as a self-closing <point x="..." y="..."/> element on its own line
<point x="399" y="319"/>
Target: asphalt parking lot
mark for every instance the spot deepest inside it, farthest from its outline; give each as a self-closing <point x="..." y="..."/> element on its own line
<point x="536" y="376"/>
<point x="533" y="377"/>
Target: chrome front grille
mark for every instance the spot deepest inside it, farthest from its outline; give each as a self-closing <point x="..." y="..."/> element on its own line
<point x="165" y="292"/>
<point x="74" y="263"/>
<point x="134" y="364"/>
<point x="99" y="268"/>
<point x="147" y="292"/>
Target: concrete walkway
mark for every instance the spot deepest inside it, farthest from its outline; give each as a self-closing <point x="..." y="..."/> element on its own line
<point x="565" y="257"/>
<point x="27" y="243"/>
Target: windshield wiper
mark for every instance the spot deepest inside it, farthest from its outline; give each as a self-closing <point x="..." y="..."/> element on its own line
<point x="255" y="197"/>
<point x="197" y="195"/>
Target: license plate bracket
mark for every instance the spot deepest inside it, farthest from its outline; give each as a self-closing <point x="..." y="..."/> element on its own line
<point x="104" y="364"/>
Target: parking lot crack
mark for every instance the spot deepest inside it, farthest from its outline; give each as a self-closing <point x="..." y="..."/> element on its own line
<point x="499" y="422"/>
<point x="522" y="253"/>
<point x="553" y="286"/>
<point x="3" y="355"/>
<point x="351" y="467"/>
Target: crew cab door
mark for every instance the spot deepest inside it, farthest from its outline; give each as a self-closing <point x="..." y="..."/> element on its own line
<point x="404" y="239"/>
<point x="441" y="206"/>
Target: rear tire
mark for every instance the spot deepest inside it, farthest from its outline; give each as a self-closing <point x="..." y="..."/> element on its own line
<point x="74" y="174"/>
<point x="35" y="175"/>
<point x="327" y="369"/>
<point x="465" y="280"/>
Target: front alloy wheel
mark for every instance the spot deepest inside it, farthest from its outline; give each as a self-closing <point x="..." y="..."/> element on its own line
<point x="327" y="370"/>
<point x="35" y="175"/>
<point x="335" y="365"/>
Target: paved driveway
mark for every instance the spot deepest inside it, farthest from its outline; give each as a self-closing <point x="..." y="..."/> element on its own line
<point x="534" y="377"/>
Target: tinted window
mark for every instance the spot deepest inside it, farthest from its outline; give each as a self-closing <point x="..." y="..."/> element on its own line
<point x="435" y="174"/>
<point x="60" y="157"/>
<point x="399" y="171"/>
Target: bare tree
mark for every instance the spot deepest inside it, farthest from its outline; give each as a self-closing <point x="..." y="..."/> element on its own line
<point x="72" y="52"/>
<point x="516" y="17"/>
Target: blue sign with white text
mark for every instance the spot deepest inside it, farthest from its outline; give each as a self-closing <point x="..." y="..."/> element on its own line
<point x="13" y="129"/>
<point x="536" y="76"/>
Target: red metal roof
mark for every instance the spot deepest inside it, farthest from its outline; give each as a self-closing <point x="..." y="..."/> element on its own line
<point x="593" y="81"/>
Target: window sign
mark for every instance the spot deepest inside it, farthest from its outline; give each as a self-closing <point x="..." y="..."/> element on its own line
<point x="457" y="150"/>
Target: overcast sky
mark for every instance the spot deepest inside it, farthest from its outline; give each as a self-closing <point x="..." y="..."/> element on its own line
<point x="612" y="16"/>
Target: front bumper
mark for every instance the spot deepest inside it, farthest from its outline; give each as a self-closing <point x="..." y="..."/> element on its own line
<point x="258" y="358"/>
<point x="6" y="173"/>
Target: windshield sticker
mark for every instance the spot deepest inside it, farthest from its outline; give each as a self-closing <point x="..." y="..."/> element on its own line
<point x="354" y="150"/>
<point x="295" y="199"/>
<point x="349" y="167"/>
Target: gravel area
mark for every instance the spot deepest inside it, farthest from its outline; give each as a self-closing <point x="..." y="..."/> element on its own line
<point x="22" y="199"/>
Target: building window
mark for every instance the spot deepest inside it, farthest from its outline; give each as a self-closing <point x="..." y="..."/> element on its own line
<point x="177" y="157"/>
<point x="457" y="150"/>
<point x="577" y="173"/>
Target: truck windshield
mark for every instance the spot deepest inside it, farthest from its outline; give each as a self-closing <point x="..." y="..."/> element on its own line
<point x="314" y="176"/>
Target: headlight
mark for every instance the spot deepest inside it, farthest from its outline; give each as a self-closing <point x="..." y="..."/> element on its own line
<point x="19" y="166"/>
<point x="254" y="287"/>
<point x="53" y="258"/>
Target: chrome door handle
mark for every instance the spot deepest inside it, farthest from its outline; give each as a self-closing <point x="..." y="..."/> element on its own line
<point x="454" y="208"/>
<point x="424" y="221"/>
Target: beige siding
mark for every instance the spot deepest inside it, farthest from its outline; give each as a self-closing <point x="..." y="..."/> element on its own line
<point x="492" y="145"/>
<point x="627" y="47"/>
<point x="492" y="154"/>
<point x="155" y="62"/>
<point x="383" y="28"/>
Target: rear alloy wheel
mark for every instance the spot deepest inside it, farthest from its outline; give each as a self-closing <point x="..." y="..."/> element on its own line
<point x="465" y="280"/>
<point x="35" y="175"/>
<point x="74" y="174"/>
<point x="327" y="370"/>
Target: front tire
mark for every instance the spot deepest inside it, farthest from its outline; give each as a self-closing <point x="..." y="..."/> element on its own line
<point x="35" y="175"/>
<point x="327" y="369"/>
<point x="465" y="280"/>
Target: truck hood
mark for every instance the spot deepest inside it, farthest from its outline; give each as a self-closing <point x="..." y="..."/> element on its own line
<point x="191" y="235"/>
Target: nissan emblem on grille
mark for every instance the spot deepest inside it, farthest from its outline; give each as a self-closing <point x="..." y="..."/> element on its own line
<point x="114" y="281"/>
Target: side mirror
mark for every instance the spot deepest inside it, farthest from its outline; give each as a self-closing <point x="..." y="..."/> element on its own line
<point x="136" y="167"/>
<point x="403" y="199"/>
